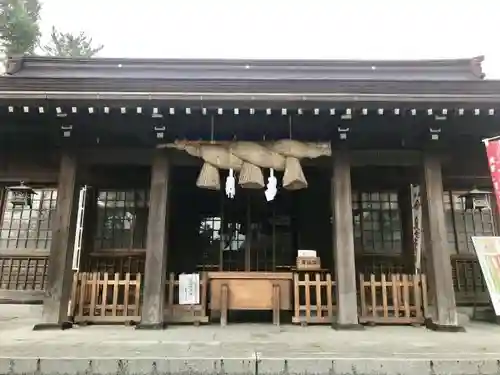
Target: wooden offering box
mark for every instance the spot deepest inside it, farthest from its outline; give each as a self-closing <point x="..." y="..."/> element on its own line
<point x="308" y="264"/>
<point x="250" y="291"/>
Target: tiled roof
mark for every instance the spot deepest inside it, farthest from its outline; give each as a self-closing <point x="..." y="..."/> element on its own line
<point x="196" y="69"/>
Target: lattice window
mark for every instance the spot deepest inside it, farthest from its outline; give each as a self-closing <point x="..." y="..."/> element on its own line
<point x="26" y="227"/>
<point x="233" y="236"/>
<point x="122" y="217"/>
<point x="234" y="233"/>
<point x="462" y="224"/>
<point x="23" y="273"/>
<point x="377" y="222"/>
<point x="210" y="229"/>
<point x="210" y="237"/>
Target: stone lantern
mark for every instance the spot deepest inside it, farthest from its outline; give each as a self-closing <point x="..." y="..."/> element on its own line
<point x="476" y="200"/>
<point x="21" y="195"/>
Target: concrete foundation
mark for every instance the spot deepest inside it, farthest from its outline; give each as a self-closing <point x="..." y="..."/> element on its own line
<point x="242" y="349"/>
<point x="204" y="366"/>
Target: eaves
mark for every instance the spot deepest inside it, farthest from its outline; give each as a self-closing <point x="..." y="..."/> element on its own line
<point x="250" y="90"/>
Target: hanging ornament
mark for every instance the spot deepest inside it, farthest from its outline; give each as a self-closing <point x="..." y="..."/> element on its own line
<point x="272" y="184"/>
<point x="293" y="178"/>
<point x="230" y="185"/>
<point x="208" y="177"/>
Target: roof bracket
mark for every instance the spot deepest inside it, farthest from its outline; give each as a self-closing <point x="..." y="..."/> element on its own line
<point x="66" y="130"/>
<point x="160" y="131"/>
<point x="434" y="133"/>
<point x="343" y="133"/>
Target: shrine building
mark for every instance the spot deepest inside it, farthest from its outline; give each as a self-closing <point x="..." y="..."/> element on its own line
<point x="154" y="192"/>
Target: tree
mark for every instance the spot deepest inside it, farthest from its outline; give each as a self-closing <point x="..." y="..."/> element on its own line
<point x="69" y="45"/>
<point x="19" y="28"/>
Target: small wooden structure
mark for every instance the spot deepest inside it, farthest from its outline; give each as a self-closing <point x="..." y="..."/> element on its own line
<point x="308" y="263"/>
<point x="177" y="313"/>
<point x="393" y="299"/>
<point x="101" y="297"/>
<point x="250" y="291"/>
<point x="106" y="298"/>
<point x="314" y="298"/>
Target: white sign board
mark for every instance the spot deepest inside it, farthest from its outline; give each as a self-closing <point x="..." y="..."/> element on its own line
<point x="189" y="288"/>
<point x="306" y="253"/>
<point x="488" y="254"/>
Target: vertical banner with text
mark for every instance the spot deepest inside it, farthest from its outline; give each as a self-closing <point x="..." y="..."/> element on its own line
<point x="416" y="213"/>
<point x="493" y="153"/>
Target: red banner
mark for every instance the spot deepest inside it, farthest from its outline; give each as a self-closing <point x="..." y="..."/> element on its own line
<point x="493" y="153"/>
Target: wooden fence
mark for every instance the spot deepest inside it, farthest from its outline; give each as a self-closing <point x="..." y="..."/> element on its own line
<point x="394" y="299"/>
<point x="117" y="298"/>
<point x="176" y="313"/>
<point x="106" y="298"/>
<point x="314" y="300"/>
<point x="27" y="273"/>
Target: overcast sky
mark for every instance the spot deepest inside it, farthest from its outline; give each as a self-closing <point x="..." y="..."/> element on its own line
<point x="310" y="29"/>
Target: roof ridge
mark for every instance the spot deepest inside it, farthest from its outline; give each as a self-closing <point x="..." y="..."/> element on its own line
<point x="466" y="68"/>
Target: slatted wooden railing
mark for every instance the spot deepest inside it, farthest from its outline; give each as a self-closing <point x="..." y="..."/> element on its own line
<point x="314" y="300"/>
<point x="393" y="298"/>
<point x="176" y="313"/>
<point x="117" y="298"/>
<point x="106" y="298"/>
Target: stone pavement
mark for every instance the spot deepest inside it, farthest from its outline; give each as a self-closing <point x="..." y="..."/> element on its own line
<point x="243" y="349"/>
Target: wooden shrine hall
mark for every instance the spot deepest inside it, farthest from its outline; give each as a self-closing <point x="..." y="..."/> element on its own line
<point x="154" y="192"/>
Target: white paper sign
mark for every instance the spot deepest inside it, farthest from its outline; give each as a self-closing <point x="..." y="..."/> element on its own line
<point x="306" y="253"/>
<point x="488" y="254"/>
<point x="189" y="288"/>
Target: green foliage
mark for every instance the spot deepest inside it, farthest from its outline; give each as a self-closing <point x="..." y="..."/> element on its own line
<point x="19" y="28"/>
<point x="69" y="45"/>
<point x="20" y="33"/>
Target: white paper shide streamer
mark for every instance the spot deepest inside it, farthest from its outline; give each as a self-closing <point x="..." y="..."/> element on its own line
<point x="231" y="184"/>
<point x="272" y="184"/>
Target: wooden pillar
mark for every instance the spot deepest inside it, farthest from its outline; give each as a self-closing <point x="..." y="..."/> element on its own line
<point x="343" y="243"/>
<point x="436" y="244"/>
<point x="59" y="272"/>
<point x="156" y="245"/>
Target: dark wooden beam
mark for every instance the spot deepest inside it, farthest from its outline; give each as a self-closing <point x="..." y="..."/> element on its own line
<point x="156" y="245"/>
<point x="59" y="273"/>
<point x="360" y="158"/>
<point x="436" y="245"/>
<point x="117" y="156"/>
<point x="343" y="243"/>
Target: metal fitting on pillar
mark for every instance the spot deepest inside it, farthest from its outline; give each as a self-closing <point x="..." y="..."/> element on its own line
<point x="343" y="133"/>
<point x="66" y="130"/>
<point x="435" y="133"/>
<point x="160" y="132"/>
